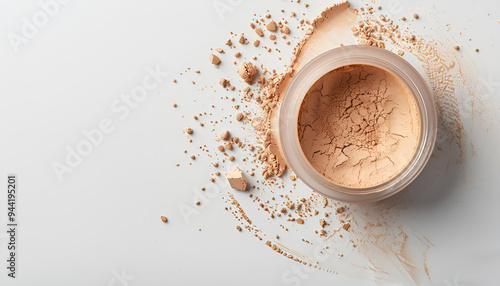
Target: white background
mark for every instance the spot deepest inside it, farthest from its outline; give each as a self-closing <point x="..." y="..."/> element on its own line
<point x="103" y="218"/>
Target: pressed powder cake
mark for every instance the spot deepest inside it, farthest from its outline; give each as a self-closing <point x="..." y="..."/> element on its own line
<point x="358" y="126"/>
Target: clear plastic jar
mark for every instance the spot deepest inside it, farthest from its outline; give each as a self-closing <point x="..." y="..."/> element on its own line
<point x="314" y="70"/>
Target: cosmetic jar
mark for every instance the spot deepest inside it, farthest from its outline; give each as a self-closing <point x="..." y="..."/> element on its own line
<point x="334" y="59"/>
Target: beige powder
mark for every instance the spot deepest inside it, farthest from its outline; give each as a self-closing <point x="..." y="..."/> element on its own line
<point x="358" y="126"/>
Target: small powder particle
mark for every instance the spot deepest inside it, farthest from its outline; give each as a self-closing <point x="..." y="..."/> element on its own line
<point x="174" y="104"/>
<point x="228" y="145"/>
<point x="223" y="82"/>
<point x="292" y="14"/>
<point x="272" y="37"/>
<point x="164" y="219"/>
<point x="228" y="42"/>
<point x="259" y="32"/>
<point x="285" y="29"/>
<point x="197" y="203"/>
<point x="214" y="59"/>
<point x="401" y="52"/>
<point x="476" y="49"/>
<point x="346" y="226"/>
<point x="189" y="130"/>
<point x="325" y="201"/>
<point x="456" y="48"/>
<point x="403" y="18"/>
<point x="239" y="116"/>
<point x="247" y="71"/>
<point x="236" y="179"/>
<point x="242" y="39"/>
<point x="261" y="80"/>
<point x="415" y="15"/>
<point x="339" y="210"/>
<point x="322" y="222"/>
<point x="174" y="80"/>
<point x="293" y="178"/>
<point x="219" y="50"/>
<point x="271" y="26"/>
<point x="238" y="228"/>
<point x="231" y="158"/>
<point x="237" y="54"/>
<point x="224" y="135"/>
<point x="221" y="148"/>
<point x="192" y="156"/>
<point x="215" y="164"/>
<point x="300" y="221"/>
<point x="256" y="43"/>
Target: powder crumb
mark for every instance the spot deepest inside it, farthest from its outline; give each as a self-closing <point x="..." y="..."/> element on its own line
<point x="224" y="135"/>
<point x="238" y="228"/>
<point x="242" y="39"/>
<point x="189" y="130"/>
<point x="239" y="116"/>
<point x="228" y="145"/>
<point x="403" y="18"/>
<point x="339" y="210"/>
<point x="292" y="14"/>
<point x="401" y="52"/>
<point x="174" y="80"/>
<point x="192" y="156"/>
<point x="476" y="49"/>
<point x="456" y="48"/>
<point x="325" y="201"/>
<point x="237" y="54"/>
<point x="322" y="222"/>
<point x="174" y="104"/>
<point x="293" y="178"/>
<point x="271" y="26"/>
<point x="272" y="37"/>
<point x="236" y="179"/>
<point x="197" y="203"/>
<point x="221" y="148"/>
<point x="228" y="42"/>
<point x="214" y="59"/>
<point x="300" y="221"/>
<point x="285" y="29"/>
<point x="256" y="43"/>
<point x="246" y="71"/>
<point x="231" y="158"/>
<point x="164" y="219"/>
<point x="346" y="226"/>
<point x="268" y="15"/>
<point x="223" y="82"/>
<point x="259" y="32"/>
<point x="219" y="50"/>
<point x="415" y="15"/>
<point x="215" y="164"/>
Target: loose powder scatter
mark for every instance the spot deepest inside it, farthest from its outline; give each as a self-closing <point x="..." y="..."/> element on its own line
<point x="247" y="70"/>
<point x="214" y="59"/>
<point x="358" y="126"/>
<point x="236" y="179"/>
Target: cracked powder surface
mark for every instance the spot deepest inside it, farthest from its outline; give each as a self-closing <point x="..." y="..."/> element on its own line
<point x="358" y="126"/>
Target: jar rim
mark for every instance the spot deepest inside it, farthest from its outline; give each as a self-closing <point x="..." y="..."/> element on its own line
<point x="334" y="59"/>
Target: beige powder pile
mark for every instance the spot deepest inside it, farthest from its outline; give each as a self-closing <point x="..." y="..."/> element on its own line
<point x="358" y="126"/>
